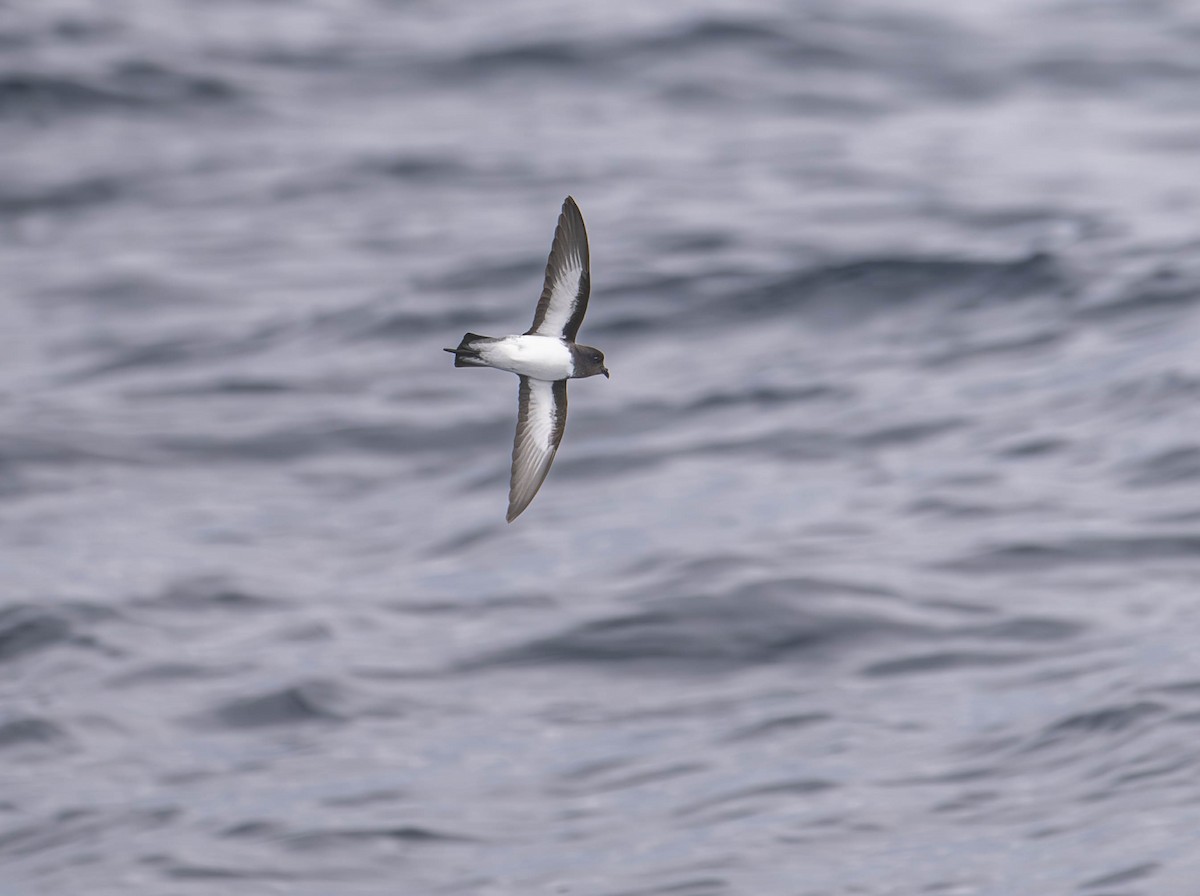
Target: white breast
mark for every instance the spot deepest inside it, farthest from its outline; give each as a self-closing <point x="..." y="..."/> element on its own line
<point x="539" y="357"/>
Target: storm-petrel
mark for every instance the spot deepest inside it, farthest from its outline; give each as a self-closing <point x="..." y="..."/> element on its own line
<point x="544" y="357"/>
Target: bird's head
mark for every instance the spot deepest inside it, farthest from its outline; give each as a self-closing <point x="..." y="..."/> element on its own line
<point x="589" y="361"/>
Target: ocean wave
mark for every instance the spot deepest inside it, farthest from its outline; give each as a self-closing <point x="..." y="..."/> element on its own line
<point x="133" y="86"/>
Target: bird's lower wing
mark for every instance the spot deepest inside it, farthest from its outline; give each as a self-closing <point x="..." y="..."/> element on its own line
<point x="541" y="419"/>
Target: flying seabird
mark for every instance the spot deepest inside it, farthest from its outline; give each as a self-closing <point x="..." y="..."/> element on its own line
<point x="544" y="357"/>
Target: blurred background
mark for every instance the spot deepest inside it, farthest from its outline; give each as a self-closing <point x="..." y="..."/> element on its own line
<point x="872" y="570"/>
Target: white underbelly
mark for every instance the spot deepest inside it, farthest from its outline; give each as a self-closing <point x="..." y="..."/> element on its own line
<point x="540" y="357"/>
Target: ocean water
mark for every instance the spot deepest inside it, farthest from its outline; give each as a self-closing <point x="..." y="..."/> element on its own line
<point x="872" y="570"/>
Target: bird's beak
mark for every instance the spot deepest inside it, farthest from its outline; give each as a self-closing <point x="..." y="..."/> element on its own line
<point x="604" y="370"/>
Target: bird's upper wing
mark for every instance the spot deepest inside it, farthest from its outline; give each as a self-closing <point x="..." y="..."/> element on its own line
<point x="541" y="418"/>
<point x="568" y="281"/>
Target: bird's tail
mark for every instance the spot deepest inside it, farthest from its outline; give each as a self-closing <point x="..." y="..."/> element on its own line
<point x="468" y="354"/>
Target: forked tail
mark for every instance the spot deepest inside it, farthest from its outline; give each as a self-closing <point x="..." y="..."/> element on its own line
<point x="467" y="354"/>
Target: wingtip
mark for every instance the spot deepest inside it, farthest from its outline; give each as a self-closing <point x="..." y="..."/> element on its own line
<point x="517" y="505"/>
<point x="515" y="508"/>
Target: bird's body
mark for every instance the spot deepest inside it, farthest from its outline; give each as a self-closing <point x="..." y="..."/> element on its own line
<point x="544" y="358"/>
<point x="540" y="357"/>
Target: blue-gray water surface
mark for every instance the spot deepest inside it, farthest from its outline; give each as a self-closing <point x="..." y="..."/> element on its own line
<point x="873" y="569"/>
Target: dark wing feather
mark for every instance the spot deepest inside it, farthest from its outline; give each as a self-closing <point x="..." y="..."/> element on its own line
<point x="541" y="419"/>
<point x="568" y="279"/>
